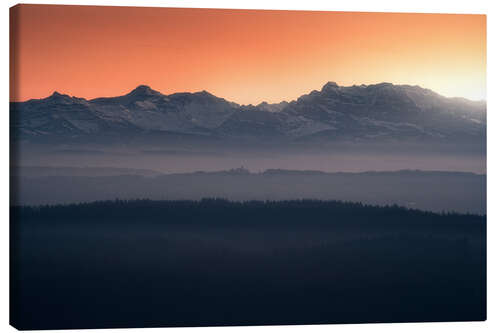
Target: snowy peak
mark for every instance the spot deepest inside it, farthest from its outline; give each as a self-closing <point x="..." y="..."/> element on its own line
<point x="58" y="98"/>
<point x="330" y="85"/>
<point x="143" y="91"/>
<point x="204" y="93"/>
<point x="277" y="107"/>
<point x="56" y="94"/>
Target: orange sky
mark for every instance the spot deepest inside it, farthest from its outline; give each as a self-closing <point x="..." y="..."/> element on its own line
<point x="245" y="56"/>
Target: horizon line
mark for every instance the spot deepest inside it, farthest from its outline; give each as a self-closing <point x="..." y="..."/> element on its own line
<point x="251" y="104"/>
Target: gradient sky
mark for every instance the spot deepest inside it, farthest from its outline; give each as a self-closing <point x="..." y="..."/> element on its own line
<point x="245" y="56"/>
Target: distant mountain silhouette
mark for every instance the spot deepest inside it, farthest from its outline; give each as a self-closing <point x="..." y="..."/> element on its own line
<point x="369" y="113"/>
<point x="428" y="190"/>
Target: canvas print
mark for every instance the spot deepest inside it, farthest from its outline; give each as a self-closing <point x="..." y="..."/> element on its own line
<point x="213" y="167"/>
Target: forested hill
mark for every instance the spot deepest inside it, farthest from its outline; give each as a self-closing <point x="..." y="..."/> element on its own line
<point x="242" y="263"/>
<point x="224" y="212"/>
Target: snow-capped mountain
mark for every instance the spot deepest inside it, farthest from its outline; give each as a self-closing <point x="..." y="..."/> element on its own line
<point x="333" y="114"/>
<point x="389" y="111"/>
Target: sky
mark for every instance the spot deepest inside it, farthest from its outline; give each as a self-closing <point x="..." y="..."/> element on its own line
<point x="245" y="56"/>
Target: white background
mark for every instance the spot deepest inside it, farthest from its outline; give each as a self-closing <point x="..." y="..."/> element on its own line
<point x="491" y="8"/>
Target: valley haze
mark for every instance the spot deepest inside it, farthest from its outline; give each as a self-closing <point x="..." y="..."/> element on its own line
<point x="376" y="127"/>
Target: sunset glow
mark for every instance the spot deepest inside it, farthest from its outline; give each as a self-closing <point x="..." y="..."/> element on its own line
<point x="245" y="56"/>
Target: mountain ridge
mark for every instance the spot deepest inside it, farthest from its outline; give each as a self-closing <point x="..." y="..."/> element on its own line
<point x="334" y="113"/>
<point x="146" y="86"/>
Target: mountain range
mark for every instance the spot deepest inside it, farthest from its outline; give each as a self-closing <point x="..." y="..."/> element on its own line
<point x="359" y="113"/>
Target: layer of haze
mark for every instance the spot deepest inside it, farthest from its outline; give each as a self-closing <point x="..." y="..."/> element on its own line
<point x="245" y="56"/>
